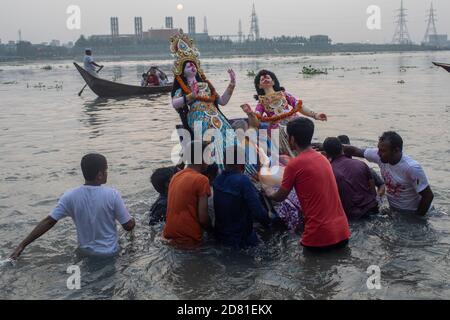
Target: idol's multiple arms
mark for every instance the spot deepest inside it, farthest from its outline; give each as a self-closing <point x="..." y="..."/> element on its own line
<point x="315" y="115"/>
<point x="225" y="98"/>
<point x="180" y="102"/>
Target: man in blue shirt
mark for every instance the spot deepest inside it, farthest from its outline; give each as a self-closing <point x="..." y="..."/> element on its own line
<point x="237" y="204"/>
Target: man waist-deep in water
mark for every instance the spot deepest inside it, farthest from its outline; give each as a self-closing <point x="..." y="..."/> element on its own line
<point x="94" y="210"/>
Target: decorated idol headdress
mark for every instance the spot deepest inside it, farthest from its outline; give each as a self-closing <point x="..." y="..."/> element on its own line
<point x="183" y="49"/>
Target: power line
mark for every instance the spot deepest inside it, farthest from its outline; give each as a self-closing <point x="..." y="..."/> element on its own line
<point x="240" y="33"/>
<point x="431" y="25"/>
<point x="401" y="35"/>
<point x="254" y="26"/>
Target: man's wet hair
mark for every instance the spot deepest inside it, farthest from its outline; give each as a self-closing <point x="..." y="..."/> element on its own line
<point x="190" y="150"/>
<point x="234" y="156"/>
<point x="344" y="139"/>
<point x="212" y="171"/>
<point x="302" y="129"/>
<point x="161" y="177"/>
<point x="92" y="164"/>
<point x="393" y="138"/>
<point x="332" y="146"/>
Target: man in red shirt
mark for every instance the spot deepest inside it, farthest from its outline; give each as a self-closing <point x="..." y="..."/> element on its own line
<point x="310" y="173"/>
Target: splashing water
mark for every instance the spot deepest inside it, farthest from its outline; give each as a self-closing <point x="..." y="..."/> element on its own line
<point x="7" y="262"/>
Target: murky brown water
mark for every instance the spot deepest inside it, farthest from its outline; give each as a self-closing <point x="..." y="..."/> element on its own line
<point x="45" y="131"/>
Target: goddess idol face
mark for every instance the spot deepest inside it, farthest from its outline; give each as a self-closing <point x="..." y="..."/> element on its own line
<point x="190" y="70"/>
<point x="266" y="81"/>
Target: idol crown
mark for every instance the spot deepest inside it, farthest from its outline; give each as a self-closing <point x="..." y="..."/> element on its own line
<point x="183" y="49"/>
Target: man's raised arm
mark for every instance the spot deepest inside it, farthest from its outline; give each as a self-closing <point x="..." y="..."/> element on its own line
<point x="351" y="151"/>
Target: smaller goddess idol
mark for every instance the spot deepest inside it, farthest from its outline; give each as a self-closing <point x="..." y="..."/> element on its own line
<point x="276" y="107"/>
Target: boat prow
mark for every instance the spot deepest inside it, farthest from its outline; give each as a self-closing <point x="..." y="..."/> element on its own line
<point x="445" y="66"/>
<point x="109" y="89"/>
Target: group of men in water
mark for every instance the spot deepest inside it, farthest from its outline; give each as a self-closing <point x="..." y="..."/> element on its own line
<point x="322" y="188"/>
<point x="332" y="189"/>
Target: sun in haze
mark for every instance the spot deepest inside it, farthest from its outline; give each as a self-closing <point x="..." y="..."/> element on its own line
<point x="180" y="7"/>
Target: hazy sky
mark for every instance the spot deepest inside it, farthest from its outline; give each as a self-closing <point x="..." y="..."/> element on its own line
<point x="343" y="20"/>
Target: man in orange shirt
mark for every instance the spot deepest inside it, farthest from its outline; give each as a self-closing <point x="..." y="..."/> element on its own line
<point x="187" y="206"/>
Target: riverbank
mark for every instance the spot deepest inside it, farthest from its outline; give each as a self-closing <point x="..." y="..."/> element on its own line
<point x="121" y="54"/>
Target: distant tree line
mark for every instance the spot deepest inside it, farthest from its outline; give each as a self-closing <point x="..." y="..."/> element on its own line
<point x="131" y="46"/>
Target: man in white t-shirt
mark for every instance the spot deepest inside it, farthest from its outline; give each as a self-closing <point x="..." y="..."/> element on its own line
<point x="93" y="208"/>
<point x="407" y="185"/>
<point x="90" y="64"/>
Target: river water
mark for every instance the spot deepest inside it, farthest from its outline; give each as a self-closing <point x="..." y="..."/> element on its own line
<point x="46" y="128"/>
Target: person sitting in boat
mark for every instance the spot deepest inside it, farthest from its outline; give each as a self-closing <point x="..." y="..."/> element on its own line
<point x="90" y="64"/>
<point x="163" y="79"/>
<point x="144" y="80"/>
<point x="153" y="79"/>
<point x="277" y="107"/>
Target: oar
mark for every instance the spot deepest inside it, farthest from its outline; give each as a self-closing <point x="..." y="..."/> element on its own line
<point x="79" y="94"/>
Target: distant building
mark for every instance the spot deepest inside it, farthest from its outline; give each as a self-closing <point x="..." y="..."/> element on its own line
<point x="201" y="37"/>
<point x="138" y="29"/>
<point x="191" y="26"/>
<point x="169" y="22"/>
<point x="55" y="43"/>
<point x="160" y="34"/>
<point x="114" y="27"/>
<point x="319" y="40"/>
<point x="107" y="37"/>
<point x="438" y="40"/>
<point x="9" y="47"/>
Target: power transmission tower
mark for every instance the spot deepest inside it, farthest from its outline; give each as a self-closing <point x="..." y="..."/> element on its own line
<point x="254" y="26"/>
<point x="431" y="26"/>
<point x="240" y="33"/>
<point x="401" y="35"/>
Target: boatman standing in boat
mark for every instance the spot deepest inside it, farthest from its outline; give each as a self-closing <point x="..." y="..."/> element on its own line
<point x="90" y="64"/>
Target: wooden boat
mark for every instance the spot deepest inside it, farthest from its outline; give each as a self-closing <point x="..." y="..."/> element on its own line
<point x="109" y="89"/>
<point x="446" y="66"/>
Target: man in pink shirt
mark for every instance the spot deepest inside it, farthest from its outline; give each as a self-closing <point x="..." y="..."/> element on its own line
<point x="310" y="173"/>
